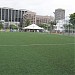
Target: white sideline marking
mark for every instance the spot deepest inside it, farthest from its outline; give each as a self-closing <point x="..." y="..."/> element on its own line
<point x="38" y="45"/>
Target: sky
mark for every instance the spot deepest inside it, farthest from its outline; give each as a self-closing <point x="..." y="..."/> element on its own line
<point x="41" y="7"/>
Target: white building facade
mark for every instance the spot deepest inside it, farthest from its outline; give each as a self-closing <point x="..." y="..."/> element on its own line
<point x="10" y="15"/>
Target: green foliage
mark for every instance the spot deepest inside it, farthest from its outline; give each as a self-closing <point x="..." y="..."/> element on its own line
<point x="12" y="26"/>
<point x="1" y="25"/>
<point x="48" y="26"/>
<point x="26" y="23"/>
<point x="72" y="19"/>
<point x="51" y="26"/>
<point x="45" y="26"/>
<point x="38" y="59"/>
<point x="66" y="26"/>
<point x="53" y="23"/>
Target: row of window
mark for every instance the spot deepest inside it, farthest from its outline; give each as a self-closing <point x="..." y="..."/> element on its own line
<point x="11" y="15"/>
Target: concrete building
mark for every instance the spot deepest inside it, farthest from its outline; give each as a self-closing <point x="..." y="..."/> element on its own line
<point x="15" y="16"/>
<point x="31" y="16"/>
<point x="59" y="27"/>
<point x="37" y="19"/>
<point x="10" y="15"/>
<point x="43" y="19"/>
<point x="59" y="14"/>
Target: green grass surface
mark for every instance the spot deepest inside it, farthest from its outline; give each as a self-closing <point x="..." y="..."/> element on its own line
<point x="36" y="54"/>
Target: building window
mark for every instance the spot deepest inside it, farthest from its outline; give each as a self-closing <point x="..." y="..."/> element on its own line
<point x="0" y="13"/>
<point x="6" y="15"/>
<point x="19" y="16"/>
<point x="16" y="16"/>
<point x="13" y="15"/>
<point x="9" y="14"/>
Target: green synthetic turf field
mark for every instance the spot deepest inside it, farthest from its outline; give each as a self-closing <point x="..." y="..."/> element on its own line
<point x="36" y="54"/>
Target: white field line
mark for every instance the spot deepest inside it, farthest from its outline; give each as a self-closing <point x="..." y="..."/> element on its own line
<point x="38" y="45"/>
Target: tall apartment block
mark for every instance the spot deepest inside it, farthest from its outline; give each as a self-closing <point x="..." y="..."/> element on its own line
<point x="59" y="14"/>
<point x="10" y="15"/>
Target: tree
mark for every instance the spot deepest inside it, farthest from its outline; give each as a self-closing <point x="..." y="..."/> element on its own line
<point x="72" y="20"/>
<point x="26" y="22"/>
<point x="1" y="25"/>
<point x="68" y="27"/>
<point x="48" y="26"/>
<point x="44" y="25"/>
<point x="51" y="25"/>
<point x="12" y="26"/>
<point x="21" y="23"/>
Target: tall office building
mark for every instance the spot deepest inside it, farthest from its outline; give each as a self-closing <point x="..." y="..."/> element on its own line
<point x="59" y="14"/>
<point x="10" y="15"/>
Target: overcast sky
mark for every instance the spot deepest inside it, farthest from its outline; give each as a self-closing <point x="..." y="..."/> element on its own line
<point x="41" y="7"/>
